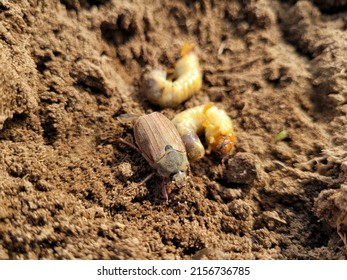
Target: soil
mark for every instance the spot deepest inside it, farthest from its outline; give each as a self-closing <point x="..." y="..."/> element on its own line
<point x="69" y="189"/>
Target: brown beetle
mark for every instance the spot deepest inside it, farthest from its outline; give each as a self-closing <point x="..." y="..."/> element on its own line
<point x="159" y="142"/>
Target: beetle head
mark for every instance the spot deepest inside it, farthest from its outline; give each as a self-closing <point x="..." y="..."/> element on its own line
<point x="179" y="178"/>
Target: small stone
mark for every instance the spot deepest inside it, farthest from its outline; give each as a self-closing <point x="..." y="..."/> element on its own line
<point x="243" y="168"/>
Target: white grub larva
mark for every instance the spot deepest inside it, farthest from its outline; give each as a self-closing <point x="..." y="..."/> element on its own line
<point x="187" y="80"/>
<point x="216" y="124"/>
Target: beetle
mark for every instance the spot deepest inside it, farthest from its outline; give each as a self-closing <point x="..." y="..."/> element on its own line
<point x="159" y="142"/>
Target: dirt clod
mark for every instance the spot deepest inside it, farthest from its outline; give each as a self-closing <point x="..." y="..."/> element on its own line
<point x="243" y="168"/>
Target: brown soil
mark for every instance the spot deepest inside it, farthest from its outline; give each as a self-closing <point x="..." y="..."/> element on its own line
<point x="68" y="189"/>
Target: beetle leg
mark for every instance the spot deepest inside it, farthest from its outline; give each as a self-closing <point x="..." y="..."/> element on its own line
<point x="121" y="140"/>
<point x="129" y="189"/>
<point x="342" y="235"/>
<point x="146" y="179"/>
<point x="166" y="189"/>
<point x="128" y="117"/>
<point x="164" y="192"/>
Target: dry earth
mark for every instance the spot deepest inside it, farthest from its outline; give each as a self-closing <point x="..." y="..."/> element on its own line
<point x="68" y="189"/>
